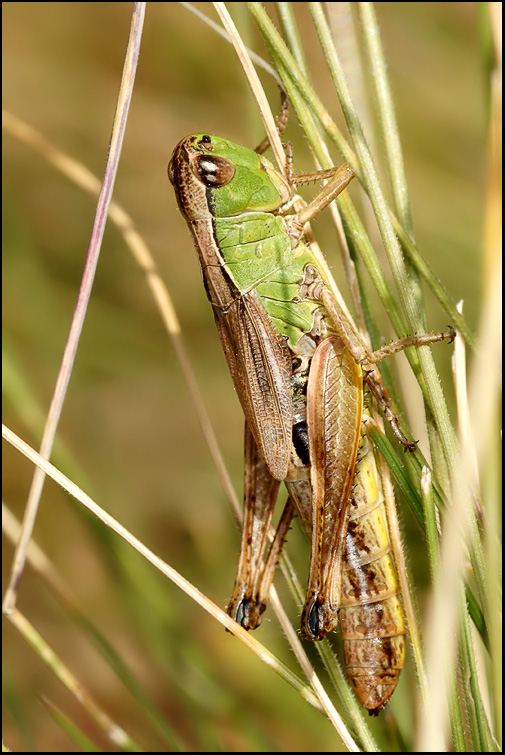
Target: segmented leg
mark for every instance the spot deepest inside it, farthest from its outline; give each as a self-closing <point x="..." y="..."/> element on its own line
<point x="334" y="410"/>
<point x="260" y="493"/>
<point x="282" y="122"/>
<point x="268" y="571"/>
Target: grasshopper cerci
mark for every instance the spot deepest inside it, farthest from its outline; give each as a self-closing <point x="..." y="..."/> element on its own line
<point x="298" y="367"/>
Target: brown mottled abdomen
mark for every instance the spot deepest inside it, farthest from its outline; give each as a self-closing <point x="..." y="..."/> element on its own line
<point x="371" y="615"/>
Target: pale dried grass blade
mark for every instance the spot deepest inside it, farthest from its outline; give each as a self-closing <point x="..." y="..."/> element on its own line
<point x="255" y="84"/>
<point x="115" y="733"/>
<point x="263" y="654"/>
<point x="118" y="131"/>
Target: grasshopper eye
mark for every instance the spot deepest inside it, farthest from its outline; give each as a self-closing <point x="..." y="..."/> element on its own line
<point x="212" y="170"/>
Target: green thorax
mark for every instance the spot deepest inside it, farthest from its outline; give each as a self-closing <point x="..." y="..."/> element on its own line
<point x="257" y="255"/>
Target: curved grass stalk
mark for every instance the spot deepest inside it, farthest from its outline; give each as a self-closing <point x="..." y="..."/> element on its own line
<point x="265" y="655"/>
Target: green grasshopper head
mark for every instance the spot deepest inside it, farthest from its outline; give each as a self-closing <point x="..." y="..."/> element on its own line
<point x="214" y="177"/>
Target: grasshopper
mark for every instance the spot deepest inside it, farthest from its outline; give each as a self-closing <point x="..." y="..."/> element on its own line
<point x="298" y="367"/>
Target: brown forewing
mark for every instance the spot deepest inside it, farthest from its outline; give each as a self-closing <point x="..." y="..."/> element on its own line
<point x="260" y="365"/>
<point x="334" y="408"/>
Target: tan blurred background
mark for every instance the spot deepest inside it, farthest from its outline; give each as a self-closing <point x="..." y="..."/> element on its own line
<point x="128" y="426"/>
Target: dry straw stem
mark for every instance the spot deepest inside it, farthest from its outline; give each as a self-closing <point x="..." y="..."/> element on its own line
<point x="117" y="736"/>
<point x="477" y="410"/>
<point x="446" y="614"/>
<point x="255" y="84"/>
<point x="265" y="655"/>
<point x="118" y="130"/>
<point x="82" y="177"/>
